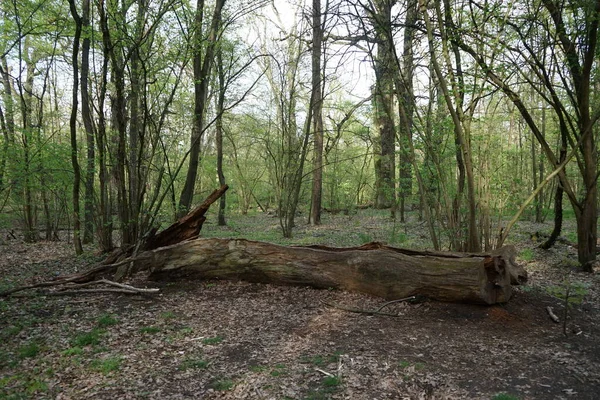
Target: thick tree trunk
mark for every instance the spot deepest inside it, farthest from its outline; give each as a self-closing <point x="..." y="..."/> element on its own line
<point x="374" y="268"/>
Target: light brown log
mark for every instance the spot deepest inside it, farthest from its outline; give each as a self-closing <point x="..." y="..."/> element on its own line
<point x="383" y="271"/>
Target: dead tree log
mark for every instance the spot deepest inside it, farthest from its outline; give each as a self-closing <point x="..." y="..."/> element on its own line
<point x="185" y="228"/>
<point x="375" y="269"/>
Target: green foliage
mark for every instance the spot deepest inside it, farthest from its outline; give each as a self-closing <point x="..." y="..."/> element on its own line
<point x="330" y="385"/>
<point x="107" y="365"/>
<point x="29" y="350"/>
<point x="279" y="370"/>
<point x="107" y="320"/>
<point x="213" y="340"/>
<point x="258" y="368"/>
<point x="320" y="360"/>
<point x="91" y="338"/>
<point x="193" y="363"/>
<point x="418" y="366"/>
<point x="364" y="238"/>
<point x="332" y="381"/>
<point x="167" y="315"/>
<point x="222" y="384"/>
<point x="73" y="351"/>
<point x="576" y="291"/>
<point x="10" y="331"/>
<point x="527" y="255"/>
<point x="149" y="329"/>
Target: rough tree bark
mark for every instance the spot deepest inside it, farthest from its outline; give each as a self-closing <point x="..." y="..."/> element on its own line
<point x="374" y="268"/>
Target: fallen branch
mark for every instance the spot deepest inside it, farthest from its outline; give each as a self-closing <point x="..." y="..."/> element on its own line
<point x="83" y="291"/>
<point x="359" y="311"/>
<point x="325" y="372"/>
<point x="553" y="316"/>
<point x="122" y="286"/>
<point x="396" y="301"/>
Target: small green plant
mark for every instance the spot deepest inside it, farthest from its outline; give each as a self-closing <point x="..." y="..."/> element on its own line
<point x="364" y="238"/>
<point x="404" y="364"/>
<point x="167" y="315"/>
<point x="258" y="368"/>
<point x="213" y="340"/>
<point x="332" y="381"/>
<point x="73" y="351"/>
<point x="193" y="363"/>
<point x="29" y="350"/>
<point x="10" y="331"/>
<point x="36" y="386"/>
<point x="107" y="365"/>
<point x="91" y="338"/>
<point x="279" y="370"/>
<point x="527" y="255"/>
<point x="319" y="360"/>
<point x="222" y="384"/>
<point x="504" y="396"/>
<point x="574" y="292"/>
<point x="398" y="237"/>
<point x="107" y="320"/>
<point x="149" y="329"/>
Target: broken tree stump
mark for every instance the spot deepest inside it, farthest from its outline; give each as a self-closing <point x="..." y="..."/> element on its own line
<point x="375" y="269"/>
<point x="187" y="227"/>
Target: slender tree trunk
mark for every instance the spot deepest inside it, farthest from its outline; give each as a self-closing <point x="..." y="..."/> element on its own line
<point x="406" y="94"/>
<point x="73" y="129"/>
<point x="86" y="113"/>
<point x="317" y="109"/>
<point x="202" y="71"/>
<point x="105" y="227"/>
<point x="473" y="243"/>
<point x="219" y="135"/>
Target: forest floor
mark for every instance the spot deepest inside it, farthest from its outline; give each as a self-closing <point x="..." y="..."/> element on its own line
<point x="236" y="340"/>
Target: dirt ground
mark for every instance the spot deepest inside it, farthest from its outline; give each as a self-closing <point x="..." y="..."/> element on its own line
<point x="237" y="340"/>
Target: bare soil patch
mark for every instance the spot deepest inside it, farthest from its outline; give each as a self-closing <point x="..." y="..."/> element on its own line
<point x="235" y="340"/>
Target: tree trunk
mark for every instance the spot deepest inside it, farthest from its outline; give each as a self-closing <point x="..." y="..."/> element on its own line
<point x="202" y="71"/>
<point x="407" y="97"/>
<point x="86" y="114"/>
<point x="375" y="269"/>
<point x="73" y="130"/>
<point x="383" y="99"/>
<point x="219" y="134"/>
<point x="317" y="109"/>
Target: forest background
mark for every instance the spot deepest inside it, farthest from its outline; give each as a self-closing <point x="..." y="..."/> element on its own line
<point x="120" y="115"/>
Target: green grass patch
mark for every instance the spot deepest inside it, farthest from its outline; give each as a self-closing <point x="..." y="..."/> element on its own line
<point x="222" y="384"/>
<point x="29" y="350"/>
<point x="91" y="338"/>
<point x="167" y="315"/>
<point x="73" y="351"/>
<point x="279" y="370"/>
<point x="330" y="385"/>
<point x="258" y="368"/>
<point x="107" y="365"/>
<point x="364" y="238"/>
<point x="10" y="331"/>
<point x="332" y="381"/>
<point x="107" y="320"/>
<point x="193" y="363"/>
<point x="527" y="255"/>
<point x="320" y="360"/>
<point x="213" y="340"/>
<point x="149" y="329"/>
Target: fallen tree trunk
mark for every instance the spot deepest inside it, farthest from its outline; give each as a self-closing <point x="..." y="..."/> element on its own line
<point x="375" y="269"/>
